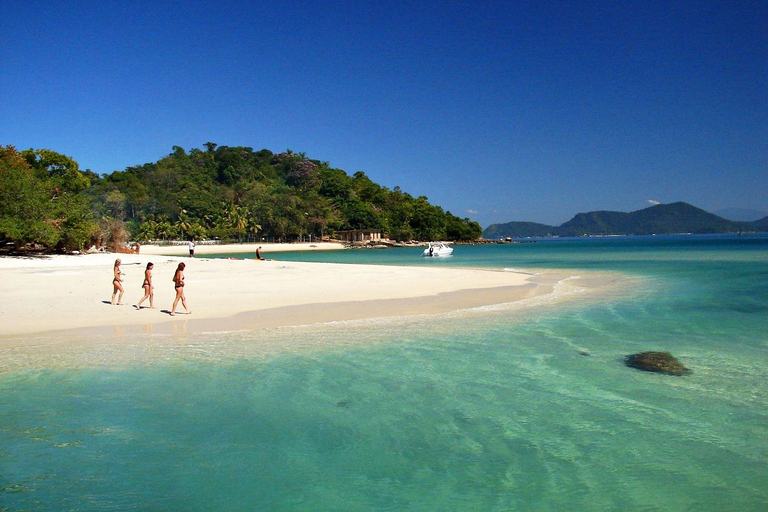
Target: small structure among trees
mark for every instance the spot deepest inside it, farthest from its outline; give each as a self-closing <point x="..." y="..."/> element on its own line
<point x="359" y="235"/>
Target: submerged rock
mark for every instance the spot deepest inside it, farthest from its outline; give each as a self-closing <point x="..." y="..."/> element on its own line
<point x="661" y="362"/>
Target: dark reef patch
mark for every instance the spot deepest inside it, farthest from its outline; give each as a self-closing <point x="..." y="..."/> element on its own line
<point x="659" y="362"/>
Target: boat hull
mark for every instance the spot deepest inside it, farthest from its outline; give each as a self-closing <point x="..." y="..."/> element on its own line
<point x="436" y="251"/>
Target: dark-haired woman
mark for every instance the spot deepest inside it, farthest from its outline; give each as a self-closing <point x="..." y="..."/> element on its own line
<point x="178" y="281"/>
<point x="149" y="289"/>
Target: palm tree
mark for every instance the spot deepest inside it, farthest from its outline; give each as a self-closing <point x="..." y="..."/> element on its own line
<point x="164" y="229"/>
<point x="184" y="222"/>
<point x="253" y="228"/>
<point x="196" y="231"/>
<point x="238" y="218"/>
<point x="147" y="228"/>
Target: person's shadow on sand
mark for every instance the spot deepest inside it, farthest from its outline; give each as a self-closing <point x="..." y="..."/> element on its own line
<point x="168" y="312"/>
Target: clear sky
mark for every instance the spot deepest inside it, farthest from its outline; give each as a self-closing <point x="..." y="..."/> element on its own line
<point x="494" y="110"/>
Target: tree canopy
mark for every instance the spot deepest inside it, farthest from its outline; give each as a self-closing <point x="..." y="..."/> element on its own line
<point x="230" y="193"/>
<point x="41" y="200"/>
<point x="234" y="193"/>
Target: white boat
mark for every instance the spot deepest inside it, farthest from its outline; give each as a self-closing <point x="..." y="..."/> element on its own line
<point x="437" y="249"/>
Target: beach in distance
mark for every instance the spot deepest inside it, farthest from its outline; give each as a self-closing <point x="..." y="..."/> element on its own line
<point x="65" y="292"/>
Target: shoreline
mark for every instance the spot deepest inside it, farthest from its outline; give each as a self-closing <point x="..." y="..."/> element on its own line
<point x="70" y="294"/>
<point x="202" y="249"/>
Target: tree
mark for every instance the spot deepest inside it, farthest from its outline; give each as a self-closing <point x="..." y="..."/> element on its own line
<point x="40" y="194"/>
<point x="253" y="226"/>
<point x="147" y="229"/>
<point x="428" y="221"/>
<point x="238" y="219"/>
<point x="184" y="222"/>
<point x="164" y="228"/>
<point x="233" y="192"/>
<point x="24" y="203"/>
<point x="462" y="229"/>
<point x="62" y="171"/>
<point x="197" y="231"/>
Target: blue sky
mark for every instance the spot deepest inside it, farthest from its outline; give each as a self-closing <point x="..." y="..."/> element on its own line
<point x="497" y="111"/>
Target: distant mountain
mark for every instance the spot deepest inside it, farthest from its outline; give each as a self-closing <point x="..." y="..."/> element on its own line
<point x="659" y="219"/>
<point x="518" y="230"/>
<point x="761" y="225"/>
<point x="741" y="214"/>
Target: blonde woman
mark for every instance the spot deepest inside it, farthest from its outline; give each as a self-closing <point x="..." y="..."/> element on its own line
<point x="149" y="289"/>
<point x="178" y="280"/>
<point x="117" y="279"/>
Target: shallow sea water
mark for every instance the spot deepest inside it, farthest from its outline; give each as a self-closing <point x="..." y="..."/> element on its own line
<point x="484" y="410"/>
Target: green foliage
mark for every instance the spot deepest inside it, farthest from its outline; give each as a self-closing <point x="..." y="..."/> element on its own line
<point x="42" y="200"/>
<point x="231" y="193"/>
<point x="462" y="229"/>
<point x="236" y="193"/>
<point x="59" y="170"/>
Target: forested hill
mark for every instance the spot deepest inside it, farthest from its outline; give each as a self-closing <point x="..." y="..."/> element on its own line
<point x="230" y="193"/>
<point x="659" y="219"/>
<point x="233" y="192"/>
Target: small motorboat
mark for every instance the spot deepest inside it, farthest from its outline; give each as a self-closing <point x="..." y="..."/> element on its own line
<point x="437" y="249"/>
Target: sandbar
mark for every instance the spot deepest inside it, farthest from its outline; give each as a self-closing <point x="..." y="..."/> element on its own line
<point x="203" y="248"/>
<point x="66" y="292"/>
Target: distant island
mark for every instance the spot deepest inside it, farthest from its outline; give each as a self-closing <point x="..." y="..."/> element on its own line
<point x="661" y="219"/>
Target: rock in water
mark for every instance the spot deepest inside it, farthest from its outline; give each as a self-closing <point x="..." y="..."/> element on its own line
<point x="661" y="362"/>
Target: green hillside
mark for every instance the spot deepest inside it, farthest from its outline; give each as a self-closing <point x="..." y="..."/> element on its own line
<point x="230" y="193"/>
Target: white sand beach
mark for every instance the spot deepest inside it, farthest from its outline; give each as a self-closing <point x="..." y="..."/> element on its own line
<point x="62" y="292"/>
<point x="202" y="248"/>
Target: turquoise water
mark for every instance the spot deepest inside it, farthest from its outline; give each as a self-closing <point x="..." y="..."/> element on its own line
<point x="503" y="412"/>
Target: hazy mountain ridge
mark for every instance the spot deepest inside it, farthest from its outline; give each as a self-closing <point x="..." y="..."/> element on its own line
<point x="660" y="219"/>
<point x="741" y="214"/>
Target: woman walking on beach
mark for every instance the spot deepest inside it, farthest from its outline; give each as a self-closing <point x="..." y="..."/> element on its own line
<point x="178" y="280"/>
<point x="116" y="280"/>
<point x="149" y="289"/>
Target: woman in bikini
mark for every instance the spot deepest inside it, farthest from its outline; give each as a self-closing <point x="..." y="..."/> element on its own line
<point x="116" y="280"/>
<point x="178" y="280"/>
<point x="149" y="290"/>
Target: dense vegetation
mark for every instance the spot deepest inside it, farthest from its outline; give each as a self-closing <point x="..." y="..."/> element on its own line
<point x="659" y="219"/>
<point x="42" y="200"/>
<point x="230" y="193"/>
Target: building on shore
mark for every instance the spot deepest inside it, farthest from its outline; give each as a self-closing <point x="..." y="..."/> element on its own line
<point x="359" y="235"/>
